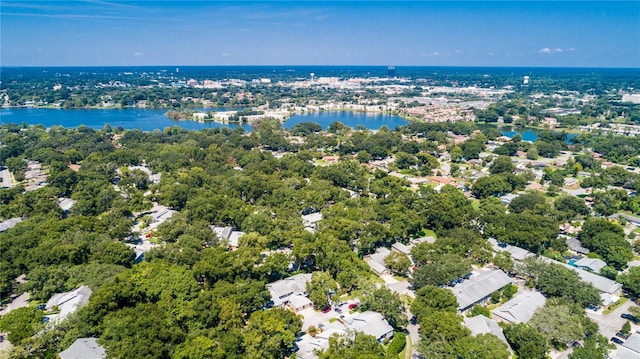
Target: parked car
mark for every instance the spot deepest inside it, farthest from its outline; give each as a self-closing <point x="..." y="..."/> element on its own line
<point x="42" y="306"/>
<point x="616" y="340"/>
<point x="622" y="335"/>
<point x="353" y="305"/>
<point x="326" y="309"/>
<point x="630" y="317"/>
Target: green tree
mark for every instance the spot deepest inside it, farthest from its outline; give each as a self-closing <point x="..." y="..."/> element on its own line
<point x="271" y="334"/>
<point x="431" y="299"/>
<point x="398" y="263"/>
<point x="354" y="346"/>
<point x="387" y="303"/>
<point x="502" y="164"/>
<point x="144" y="331"/>
<point x="483" y="346"/>
<point x="21" y="324"/>
<point x="442" y="270"/>
<point x="626" y="327"/>
<point x="526" y="341"/>
<point x="562" y="324"/>
<point x="320" y="288"/>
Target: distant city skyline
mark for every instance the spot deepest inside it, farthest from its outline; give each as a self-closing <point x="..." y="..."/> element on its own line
<point x="419" y="33"/>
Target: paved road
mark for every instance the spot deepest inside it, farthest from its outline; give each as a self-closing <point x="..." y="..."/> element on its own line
<point x="6" y="178"/>
<point x="18" y="302"/>
<point x="611" y="323"/>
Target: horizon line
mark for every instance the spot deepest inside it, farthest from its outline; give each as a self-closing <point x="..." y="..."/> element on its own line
<point x="343" y="65"/>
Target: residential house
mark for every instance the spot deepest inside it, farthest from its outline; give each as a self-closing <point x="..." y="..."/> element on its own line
<point x="517" y="253"/>
<point x="9" y="223"/>
<point x="630" y="349"/>
<point x="479" y="287"/>
<point x="84" y="348"/>
<point x="311" y="220"/>
<point x="520" y="308"/>
<point x="68" y="302"/>
<point x="282" y="291"/>
<point x="575" y="245"/>
<point x="590" y="264"/>
<point x="228" y="236"/>
<point x="483" y="325"/>
<point x="66" y="204"/>
<point x="370" y="323"/>
<point x="604" y="285"/>
<point x="376" y="261"/>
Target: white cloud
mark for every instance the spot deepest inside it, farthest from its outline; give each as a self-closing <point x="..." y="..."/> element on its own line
<point x="571" y="49"/>
<point x="226" y="54"/>
<point x="137" y="54"/>
<point x="547" y="50"/>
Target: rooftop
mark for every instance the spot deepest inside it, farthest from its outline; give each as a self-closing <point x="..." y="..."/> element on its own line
<point x="479" y="287"/>
<point x="521" y="308"/>
<point x="84" y="348"/>
<point x="483" y="325"/>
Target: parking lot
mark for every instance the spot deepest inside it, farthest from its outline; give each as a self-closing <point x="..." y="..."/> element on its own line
<point x="611" y="323"/>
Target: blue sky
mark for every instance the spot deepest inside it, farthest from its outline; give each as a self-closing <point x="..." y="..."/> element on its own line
<point x="429" y="33"/>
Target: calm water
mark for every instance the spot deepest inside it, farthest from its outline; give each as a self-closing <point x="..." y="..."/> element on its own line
<point x="372" y="121"/>
<point x="146" y="120"/>
<point x="149" y="120"/>
<point x="527" y="134"/>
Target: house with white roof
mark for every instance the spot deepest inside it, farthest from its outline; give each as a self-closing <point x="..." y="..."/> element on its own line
<point x="228" y="235"/>
<point x="68" y="302"/>
<point x="479" y="287"/>
<point x="9" y="223"/>
<point x="311" y="220"/>
<point x="520" y="309"/>
<point x="289" y="291"/>
<point x="84" y="348"/>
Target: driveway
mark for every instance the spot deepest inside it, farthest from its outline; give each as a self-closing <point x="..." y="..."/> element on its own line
<point x="611" y="323"/>
<point x="313" y="317"/>
<point x="18" y="302"/>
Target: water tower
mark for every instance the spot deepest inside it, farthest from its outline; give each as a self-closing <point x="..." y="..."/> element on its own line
<point x="525" y="81"/>
<point x="312" y="76"/>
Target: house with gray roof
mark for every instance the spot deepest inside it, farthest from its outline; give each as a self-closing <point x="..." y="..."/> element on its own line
<point x="520" y="309"/>
<point x="284" y="290"/>
<point x="84" y="348"/>
<point x="575" y="245"/>
<point x="479" y="287"/>
<point x="483" y="325"/>
<point x="9" y="223"/>
<point x="517" y="253"/>
<point x="630" y="349"/>
<point x="590" y="264"/>
<point x="376" y="261"/>
<point x="370" y="323"/>
<point x="604" y="285"/>
<point x="401" y="248"/>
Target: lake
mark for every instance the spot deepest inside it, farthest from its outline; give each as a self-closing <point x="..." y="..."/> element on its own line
<point x="527" y="134"/>
<point x="372" y="121"/>
<point x="130" y="118"/>
<point x="149" y="120"/>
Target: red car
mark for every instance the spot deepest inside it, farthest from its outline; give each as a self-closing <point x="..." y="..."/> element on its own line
<point x="353" y="305"/>
<point x="327" y="309"/>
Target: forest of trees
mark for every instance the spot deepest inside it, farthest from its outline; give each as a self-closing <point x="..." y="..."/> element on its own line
<point x="191" y="293"/>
